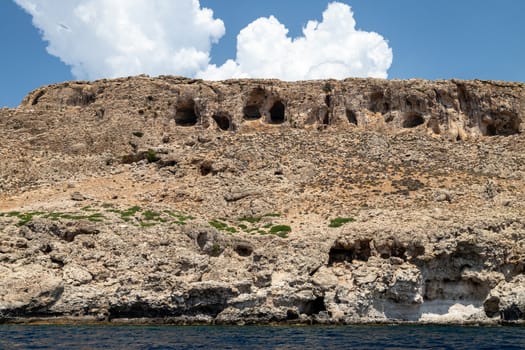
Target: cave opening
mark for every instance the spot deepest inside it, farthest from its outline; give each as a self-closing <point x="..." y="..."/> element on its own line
<point x="313" y="307"/>
<point x="491" y="130"/>
<point x="378" y="103"/>
<point x="185" y="114"/>
<point x="243" y="250"/>
<point x="413" y="120"/>
<point x="359" y="250"/>
<point x="254" y="102"/>
<point x="223" y="121"/>
<point x="351" y="116"/>
<point x="503" y="124"/>
<point x="252" y="112"/>
<point x="277" y="115"/>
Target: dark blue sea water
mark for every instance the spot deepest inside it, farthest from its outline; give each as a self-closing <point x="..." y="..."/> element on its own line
<point x="348" y="337"/>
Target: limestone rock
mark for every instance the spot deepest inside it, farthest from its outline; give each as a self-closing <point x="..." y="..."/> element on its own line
<point x="258" y="201"/>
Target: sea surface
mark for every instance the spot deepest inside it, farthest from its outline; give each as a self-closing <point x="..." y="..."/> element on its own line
<point x="218" y="337"/>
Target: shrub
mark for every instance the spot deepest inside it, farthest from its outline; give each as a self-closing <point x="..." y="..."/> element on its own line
<point x="151" y="156"/>
<point x="281" y="230"/>
<point x="338" y="222"/>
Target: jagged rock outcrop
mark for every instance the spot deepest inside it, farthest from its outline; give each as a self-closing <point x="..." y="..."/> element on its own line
<point x="254" y="201"/>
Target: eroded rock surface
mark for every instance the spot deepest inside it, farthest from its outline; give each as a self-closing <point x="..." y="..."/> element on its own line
<point x="251" y="201"/>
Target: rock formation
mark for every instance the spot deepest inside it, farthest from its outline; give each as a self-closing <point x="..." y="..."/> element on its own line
<point x="255" y="201"/>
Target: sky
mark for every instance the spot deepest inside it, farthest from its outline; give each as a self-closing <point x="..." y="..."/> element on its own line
<point x="48" y="41"/>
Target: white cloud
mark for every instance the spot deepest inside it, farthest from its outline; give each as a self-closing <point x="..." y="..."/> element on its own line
<point x="332" y="48"/>
<point x="110" y="38"/>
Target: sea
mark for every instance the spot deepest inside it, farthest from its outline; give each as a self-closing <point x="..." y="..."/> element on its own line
<point x="260" y="337"/>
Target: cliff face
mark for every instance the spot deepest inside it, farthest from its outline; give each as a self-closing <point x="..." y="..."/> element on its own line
<point x="262" y="201"/>
<point x="453" y="109"/>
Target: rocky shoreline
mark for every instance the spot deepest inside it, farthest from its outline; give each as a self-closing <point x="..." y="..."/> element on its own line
<point x="175" y="201"/>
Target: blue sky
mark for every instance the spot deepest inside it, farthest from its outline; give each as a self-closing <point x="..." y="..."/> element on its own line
<point x="440" y="39"/>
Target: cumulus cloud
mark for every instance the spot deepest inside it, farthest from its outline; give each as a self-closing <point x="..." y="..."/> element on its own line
<point x="109" y="38"/>
<point x="332" y="48"/>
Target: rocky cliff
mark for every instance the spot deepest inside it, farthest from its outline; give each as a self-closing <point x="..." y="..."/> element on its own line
<point x="254" y="201"/>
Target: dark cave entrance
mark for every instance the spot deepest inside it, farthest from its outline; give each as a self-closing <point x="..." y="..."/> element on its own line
<point x="413" y="120"/>
<point x="185" y="114"/>
<point x="313" y="307"/>
<point x="351" y="116"/>
<point x="359" y="250"/>
<point x="277" y="115"/>
<point x="223" y="121"/>
<point x="254" y="102"/>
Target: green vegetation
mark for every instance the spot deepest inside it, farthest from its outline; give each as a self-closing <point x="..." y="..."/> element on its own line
<point x="281" y="230"/>
<point x="180" y="219"/>
<point x="140" y="217"/>
<point x="151" y="156"/>
<point x="95" y="217"/>
<point x="24" y="218"/>
<point x="216" y="249"/>
<point x="253" y="225"/>
<point x="126" y="215"/>
<point x="221" y="226"/>
<point x="338" y="222"/>
<point x="27" y="217"/>
<point x="150" y="215"/>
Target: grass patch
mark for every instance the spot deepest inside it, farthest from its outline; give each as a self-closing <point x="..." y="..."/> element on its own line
<point x="144" y="218"/>
<point x="24" y="218"/>
<point x="279" y="229"/>
<point x="96" y="217"/>
<point x="150" y="215"/>
<point x="128" y="213"/>
<point x="27" y="217"/>
<point x="180" y="218"/>
<point x="221" y="226"/>
<point x="338" y="222"/>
